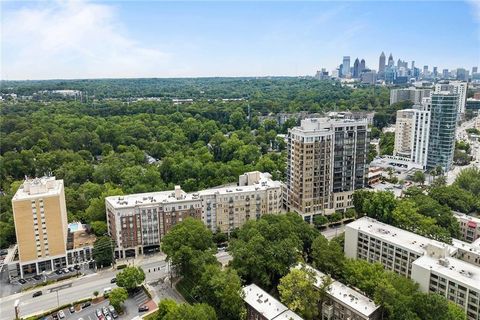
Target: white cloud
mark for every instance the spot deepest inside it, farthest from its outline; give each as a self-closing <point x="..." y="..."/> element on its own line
<point x="475" y="8"/>
<point x="74" y="39"/>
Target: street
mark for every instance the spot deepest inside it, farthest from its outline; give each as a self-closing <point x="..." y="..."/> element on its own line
<point x="331" y="233"/>
<point x="461" y="134"/>
<point x="156" y="276"/>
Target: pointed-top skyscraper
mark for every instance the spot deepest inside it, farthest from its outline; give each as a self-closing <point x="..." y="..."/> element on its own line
<point x="390" y="60"/>
<point x="356" y="68"/>
<point x="381" y="66"/>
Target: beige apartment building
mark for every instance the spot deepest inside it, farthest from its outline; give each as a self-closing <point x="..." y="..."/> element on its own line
<point x="138" y="222"/>
<point x="40" y="216"/>
<point x="326" y="162"/>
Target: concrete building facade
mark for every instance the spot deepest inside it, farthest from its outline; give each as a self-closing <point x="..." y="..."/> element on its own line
<point x="44" y="242"/>
<point x="326" y="162"/>
<point x="262" y="306"/>
<point x="452" y="270"/>
<point x="412" y="129"/>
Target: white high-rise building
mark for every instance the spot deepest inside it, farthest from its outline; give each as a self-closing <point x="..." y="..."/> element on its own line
<point x="412" y="130"/>
<point x="457" y="87"/>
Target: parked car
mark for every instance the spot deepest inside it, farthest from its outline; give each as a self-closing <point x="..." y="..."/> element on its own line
<point x="108" y="317"/>
<point x="86" y="304"/>
<point x="114" y="314"/>
<point x="98" y="312"/>
<point x="113" y="280"/>
<point x="59" y="271"/>
<point x="65" y="270"/>
<point x="22" y="281"/>
<point x="37" y="294"/>
<point x="61" y="314"/>
<point x="37" y="277"/>
<point x="71" y="269"/>
<point x="142" y="308"/>
<point x="71" y="309"/>
<point x="105" y="311"/>
<point x="77" y="267"/>
<point x="55" y="316"/>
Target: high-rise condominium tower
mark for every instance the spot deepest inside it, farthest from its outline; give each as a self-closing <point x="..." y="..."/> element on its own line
<point x="412" y="133"/>
<point x="441" y="145"/>
<point x="326" y="162"/>
<point x="41" y="226"/>
<point x="457" y="87"/>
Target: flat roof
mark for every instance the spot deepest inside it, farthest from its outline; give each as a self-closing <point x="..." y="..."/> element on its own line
<point x="458" y="270"/>
<point x="406" y="239"/>
<point x="348" y="296"/>
<point x="167" y="197"/>
<point x="38" y="187"/>
<point x="261" y="301"/>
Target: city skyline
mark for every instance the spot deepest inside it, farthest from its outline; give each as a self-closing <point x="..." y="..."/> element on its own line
<point x="170" y="39"/>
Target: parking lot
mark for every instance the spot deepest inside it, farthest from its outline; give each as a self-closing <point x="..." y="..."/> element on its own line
<point x="94" y="311"/>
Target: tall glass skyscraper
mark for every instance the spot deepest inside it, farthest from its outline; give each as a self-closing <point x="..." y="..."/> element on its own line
<point x="443" y="121"/>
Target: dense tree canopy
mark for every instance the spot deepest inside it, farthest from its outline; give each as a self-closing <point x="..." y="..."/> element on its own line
<point x="266" y="249"/>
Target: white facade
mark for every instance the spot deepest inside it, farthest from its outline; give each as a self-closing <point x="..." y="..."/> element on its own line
<point x="344" y="302"/>
<point x="424" y="260"/>
<point x="412" y="129"/>
<point x="415" y="95"/>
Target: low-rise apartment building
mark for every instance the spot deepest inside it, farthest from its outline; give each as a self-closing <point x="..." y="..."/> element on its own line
<point x="421" y="259"/>
<point x="342" y="302"/>
<point x="138" y="222"/>
<point x="262" y="306"/>
<point x="469" y="226"/>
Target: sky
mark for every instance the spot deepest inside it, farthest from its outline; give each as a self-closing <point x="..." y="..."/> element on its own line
<point x="125" y="39"/>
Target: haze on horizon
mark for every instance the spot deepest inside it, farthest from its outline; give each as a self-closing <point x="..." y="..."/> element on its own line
<point x="91" y="39"/>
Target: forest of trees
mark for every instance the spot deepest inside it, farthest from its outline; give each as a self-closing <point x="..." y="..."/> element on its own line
<point x="100" y="147"/>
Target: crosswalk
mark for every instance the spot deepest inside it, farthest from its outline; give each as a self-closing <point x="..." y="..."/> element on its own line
<point x="140" y="298"/>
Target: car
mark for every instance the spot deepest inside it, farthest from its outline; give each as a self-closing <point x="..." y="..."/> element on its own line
<point x="98" y="312"/>
<point x="22" y="281"/>
<point x="65" y="270"/>
<point x="71" y="309"/>
<point x="37" y="277"/>
<point x="86" y="304"/>
<point x="37" y="294"/>
<point x="71" y="269"/>
<point x="113" y="280"/>
<point x="108" y="317"/>
<point x="105" y="311"/>
<point x="59" y="271"/>
<point x="77" y="267"/>
<point x="55" y="316"/>
<point x="142" y="308"/>
<point x="111" y="308"/>
<point x="61" y="314"/>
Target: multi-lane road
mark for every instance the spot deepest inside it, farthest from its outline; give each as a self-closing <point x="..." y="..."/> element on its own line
<point x="156" y="274"/>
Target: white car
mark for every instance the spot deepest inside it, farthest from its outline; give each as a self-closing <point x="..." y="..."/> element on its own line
<point x="61" y="314"/>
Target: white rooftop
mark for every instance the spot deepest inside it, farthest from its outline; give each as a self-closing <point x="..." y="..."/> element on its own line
<point x="263" y="182"/>
<point x="325" y="125"/>
<point x="402" y="238"/>
<point x="264" y="303"/>
<point x="346" y="295"/>
<point x="463" y="216"/>
<point x="34" y="188"/>
<point x="458" y="270"/>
